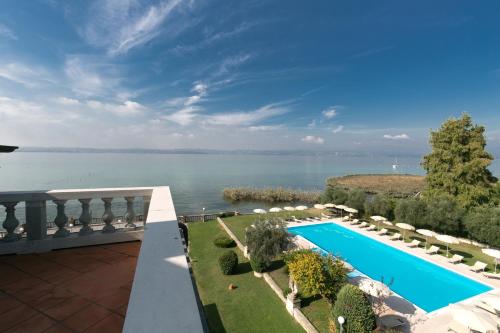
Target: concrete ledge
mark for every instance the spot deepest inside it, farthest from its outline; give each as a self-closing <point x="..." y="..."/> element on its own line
<point x="162" y="297"/>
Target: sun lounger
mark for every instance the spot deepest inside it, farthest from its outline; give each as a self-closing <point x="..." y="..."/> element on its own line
<point x="371" y="227"/>
<point x="396" y="236"/>
<point x="414" y="243"/>
<point x="354" y="222"/>
<point x="478" y="267"/>
<point x="432" y="250"/>
<point x="456" y="259"/>
<point x="326" y="216"/>
<point x="315" y="218"/>
<point x="391" y="321"/>
<point x="491" y="275"/>
<point x="382" y="232"/>
<point x="294" y="219"/>
<point x="363" y="225"/>
<point x="345" y="218"/>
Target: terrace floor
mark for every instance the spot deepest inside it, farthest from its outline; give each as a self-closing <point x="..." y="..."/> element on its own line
<point x="72" y="290"/>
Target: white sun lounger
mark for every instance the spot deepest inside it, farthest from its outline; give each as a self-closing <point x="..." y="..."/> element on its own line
<point x="456" y="259"/>
<point x="432" y="250"/>
<point x="382" y="232"/>
<point x="478" y="267"/>
<point x="345" y="218"/>
<point x="414" y="243"/>
<point x="294" y="219"/>
<point x="371" y="227"/>
<point x="491" y="275"/>
<point x="396" y="236"/>
<point x="326" y="216"/>
<point x="363" y="225"/>
<point x="353" y="222"/>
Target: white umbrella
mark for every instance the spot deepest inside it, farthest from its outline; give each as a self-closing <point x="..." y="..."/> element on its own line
<point x="493" y="253"/>
<point x="378" y="219"/>
<point x="473" y="319"/>
<point x="259" y="211"/>
<point x="426" y="233"/>
<point x="319" y="206"/>
<point x="388" y="223"/>
<point x="342" y="207"/>
<point x="329" y="205"/>
<point x="448" y="240"/>
<point x="492" y="300"/>
<point x="288" y="208"/>
<point x="351" y="210"/>
<point x="405" y="226"/>
<point x="275" y="210"/>
<point x="374" y="288"/>
<point x="301" y="208"/>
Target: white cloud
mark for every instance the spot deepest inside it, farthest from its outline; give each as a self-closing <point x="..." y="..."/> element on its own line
<point x="84" y="78"/>
<point x="313" y="139"/>
<point x="264" y="128"/>
<point x="184" y="116"/>
<point x="67" y="101"/>
<point x="338" y="129"/>
<point x="330" y="112"/>
<point x="121" y="25"/>
<point x="5" y="32"/>
<point x="247" y="118"/>
<point x="402" y="136"/>
<point x="127" y="108"/>
<point x="28" y="76"/>
<point x="230" y="62"/>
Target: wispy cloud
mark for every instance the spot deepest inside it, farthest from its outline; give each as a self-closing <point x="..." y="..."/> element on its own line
<point x="28" y="76"/>
<point x="265" y="128"/>
<point x="184" y="116"/>
<point x="330" y="112"/>
<point x="313" y="139"/>
<point x="5" y="32"/>
<point x="249" y="117"/>
<point x="372" y="51"/>
<point x="121" y="25"/>
<point x="402" y="136"/>
<point x="127" y="108"/>
<point x="67" y="101"/>
<point x="338" y="129"/>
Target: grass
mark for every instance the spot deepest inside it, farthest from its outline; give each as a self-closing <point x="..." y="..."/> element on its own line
<point x="251" y="307"/>
<point x="394" y="185"/>
<point x="316" y="309"/>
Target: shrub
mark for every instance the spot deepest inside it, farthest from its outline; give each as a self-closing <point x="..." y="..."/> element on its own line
<point x="356" y="199"/>
<point x="317" y="274"/>
<point x="380" y="205"/>
<point x="411" y="211"/>
<point x="228" y="262"/>
<point x="278" y="194"/>
<point x="334" y="194"/>
<point x="224" y="242"/>
<point x="483" y="225"/>
<point x="266" y="240"/>
<point x="445" y="215"/>
<point x="257" y="265"/>
<point x="354" y="306"/>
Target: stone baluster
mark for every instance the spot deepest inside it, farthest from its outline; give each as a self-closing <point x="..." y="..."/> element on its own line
<point x="85" y="218"/>
<point x="61" y="219"/>
<point x="10" y="224"/>
<point x="130" y="215"/>
<point x="108" y="216"/>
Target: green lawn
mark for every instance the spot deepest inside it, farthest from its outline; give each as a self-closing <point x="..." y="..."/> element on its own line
<point x="317" y="310"/>
<point x="252" y="307"/>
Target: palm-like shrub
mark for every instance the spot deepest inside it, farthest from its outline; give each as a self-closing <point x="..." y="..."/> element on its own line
<point x="228" y="262"/>
<point x="266" y="239"/>
<point x="354" y="306"/>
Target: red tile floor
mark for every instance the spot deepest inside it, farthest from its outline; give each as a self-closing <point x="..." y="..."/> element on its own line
<point x="75" y="290"/>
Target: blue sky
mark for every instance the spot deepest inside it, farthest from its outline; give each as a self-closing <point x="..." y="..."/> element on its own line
<point x="327" y="75"/>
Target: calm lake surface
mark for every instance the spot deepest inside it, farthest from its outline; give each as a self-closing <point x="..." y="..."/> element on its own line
<point x="196" y="180"/>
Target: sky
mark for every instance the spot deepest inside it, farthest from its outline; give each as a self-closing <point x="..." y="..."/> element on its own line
<point x="370" y="76"/>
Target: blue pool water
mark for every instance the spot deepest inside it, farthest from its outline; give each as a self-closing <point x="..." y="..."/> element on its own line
<point x="426" y="285"/>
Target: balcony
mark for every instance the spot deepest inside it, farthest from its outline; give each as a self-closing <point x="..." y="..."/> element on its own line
<point x="116" y="275"/>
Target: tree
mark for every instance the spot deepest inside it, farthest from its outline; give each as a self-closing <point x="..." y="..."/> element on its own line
<point x="317" y="274"/>
<point x="356" y="199"/>
<point x="380" y="205"/>
<point x="411" y="211"/>
<point x="445" y="215"/>
<point x="458" y="163"/>
<point x="266" y="239"/>
<point x="483" y="225"/>
<point x="354" y="306"/>
<point x="334" y="194"/>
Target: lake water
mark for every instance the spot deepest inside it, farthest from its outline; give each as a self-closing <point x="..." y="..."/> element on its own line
<point x="196" y="180"/>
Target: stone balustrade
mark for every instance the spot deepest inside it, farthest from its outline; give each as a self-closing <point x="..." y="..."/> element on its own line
<point x="39" y="238"/>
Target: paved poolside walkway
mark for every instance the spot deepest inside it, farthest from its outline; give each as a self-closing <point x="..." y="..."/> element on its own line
<point x="418" y="320"/>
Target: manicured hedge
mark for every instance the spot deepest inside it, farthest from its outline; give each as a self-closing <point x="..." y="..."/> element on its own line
<point x="354" y="306"/>
<point x="224" y="242"/>
<point x="228" y="262"/>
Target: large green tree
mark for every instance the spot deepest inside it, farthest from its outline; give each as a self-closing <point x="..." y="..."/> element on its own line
<point x="458" y="163"/>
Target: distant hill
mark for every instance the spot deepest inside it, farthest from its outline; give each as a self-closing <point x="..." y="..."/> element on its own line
<point x="394" y="185"/>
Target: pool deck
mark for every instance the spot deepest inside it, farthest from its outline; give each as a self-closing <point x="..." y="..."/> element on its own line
<point x="418" y="320"/>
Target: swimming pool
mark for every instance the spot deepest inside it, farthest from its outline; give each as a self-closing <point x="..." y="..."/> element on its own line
<point x="423" y="283"/>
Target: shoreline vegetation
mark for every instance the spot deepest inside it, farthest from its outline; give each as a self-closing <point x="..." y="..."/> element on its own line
<point x="270" y="194"/>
